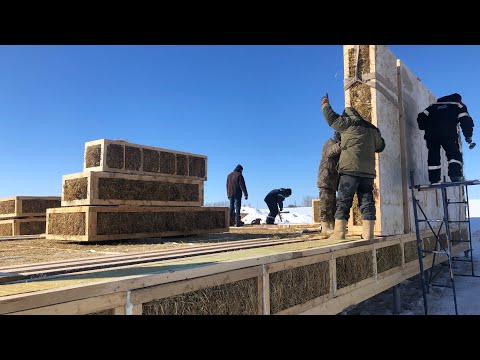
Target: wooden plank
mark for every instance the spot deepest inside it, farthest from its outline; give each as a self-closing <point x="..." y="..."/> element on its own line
<point x="79" y="307"/>
<point x="21" y="211"/>
<point x="104" y="143"/>
<point x="303" y="261"/>
<point x="182" y="287"/>
<point x="265" y="291"/>
<point x="300" y="308"/>
<point x="22" y="237"/>
<point x="403" y="154"/>
<point x="117" y="187"/>
<point x="92" y="222"/>
<point x="120" y="310"/>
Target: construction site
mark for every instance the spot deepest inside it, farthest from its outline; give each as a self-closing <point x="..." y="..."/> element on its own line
<point x="131" y="235"/>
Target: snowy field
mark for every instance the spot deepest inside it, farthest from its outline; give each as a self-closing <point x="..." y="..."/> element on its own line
<point x="440" y="299"/>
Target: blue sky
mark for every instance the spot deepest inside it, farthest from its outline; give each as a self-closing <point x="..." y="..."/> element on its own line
<point x="257" y="105"/>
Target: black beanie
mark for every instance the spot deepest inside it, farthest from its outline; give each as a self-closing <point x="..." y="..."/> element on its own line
<point x="239" y="168"/>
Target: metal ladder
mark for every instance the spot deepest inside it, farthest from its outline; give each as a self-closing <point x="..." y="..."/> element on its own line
<point x="439" y="247"/>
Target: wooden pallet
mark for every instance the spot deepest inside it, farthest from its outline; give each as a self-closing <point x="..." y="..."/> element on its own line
<point x="18" y="227"/>
<point x="99" y="223"/>
<point x="27" y="206"/>
<point x="106" y="188"/>
<point x="125" y="157"/>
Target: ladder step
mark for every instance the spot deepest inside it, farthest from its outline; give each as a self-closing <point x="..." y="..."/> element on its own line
<point x="430" y="220"/>
<point x="460" y="241"/>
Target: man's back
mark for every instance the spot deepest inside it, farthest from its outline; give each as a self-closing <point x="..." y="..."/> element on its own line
<point x="441" y="118"/>
<point x="235" y="184"/>
<point x="360" y="141"/>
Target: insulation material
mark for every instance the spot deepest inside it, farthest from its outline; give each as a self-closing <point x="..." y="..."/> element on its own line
<point x="32" y="227"/>
<point x="182" y="165"/>
<point x="411" y="251"/>
<point x="75" y="189"/>
<point x="151" y="161"/>
<point x="298" y="285"/>
<point x="6" y="229"/>
<point x="354" y="268"/>
<point x="388" y="257"/>
<point x="104" y="188"/>
<point x="123" y="157"/>
<point x="96" y="223"/>
<point x="236" y="298"/>
<point x="316" y="210"/>
<point x="133" y="158"/>
<point x="66" y="223"/>
<point x="7" y="207"/>
<point x="93" y="156"/>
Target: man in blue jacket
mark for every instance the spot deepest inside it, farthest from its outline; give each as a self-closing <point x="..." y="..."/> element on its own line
<point x="274" y="200"/>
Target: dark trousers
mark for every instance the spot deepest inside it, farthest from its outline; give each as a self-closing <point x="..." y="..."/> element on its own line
<point x="235" y="205"/>
<point x="363" y="187"/>
<point x="328" y="204"/>
<point x="273" y="207"/>
<point x="454" y="157"/>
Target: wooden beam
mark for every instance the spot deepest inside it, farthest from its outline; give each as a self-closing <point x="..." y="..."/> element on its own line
<point x="79" y="307"/>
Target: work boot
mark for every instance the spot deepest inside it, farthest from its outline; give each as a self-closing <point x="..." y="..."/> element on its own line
<point x="326" y="228"/>
<point x="367" y="229"/>
<point x="340" y="231"/>
<point x="239" y="223"/>
<point x="232" y="221"/>
<point x="332" y="225"/>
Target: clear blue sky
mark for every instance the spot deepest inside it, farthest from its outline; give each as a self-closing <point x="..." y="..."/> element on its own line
<point x="257" y="105"/>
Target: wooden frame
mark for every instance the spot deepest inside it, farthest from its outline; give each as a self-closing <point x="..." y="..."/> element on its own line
<point x="90" y="213"/>
<point x="94" y="177"/>
<point x="17" y="225"/>
<point x="103" y="143"/>
<point x="18" y="211"/>
<point x="134" y="290"/>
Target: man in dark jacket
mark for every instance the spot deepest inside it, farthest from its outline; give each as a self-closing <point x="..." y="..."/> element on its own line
<point x="327" y="182"/>
<point x="360" y="141"/>
<point x="439" y="121"/>
<point x="274" y="200"/>
<point x="235" y="186"/>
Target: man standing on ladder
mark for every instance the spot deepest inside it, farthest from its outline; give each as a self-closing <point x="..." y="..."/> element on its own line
<point x="440" y="121"/>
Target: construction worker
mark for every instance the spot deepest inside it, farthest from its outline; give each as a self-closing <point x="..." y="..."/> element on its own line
<point x="274" y="200"/>
<point x="327" y="182"/>
<point x="356" y="166"/>
<point x="439" y="121"/>
<point x="235" y="186"/>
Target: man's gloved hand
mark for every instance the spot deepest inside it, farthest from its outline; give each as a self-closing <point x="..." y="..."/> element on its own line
<point x="468" y="140"/>
<point x="246" y="197"/>
<point x="325" y="100"/>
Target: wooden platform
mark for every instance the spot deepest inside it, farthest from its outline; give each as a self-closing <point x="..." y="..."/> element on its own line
<point x="100" y="223"/>
<point x="18" y="227"/>
<point x="335" y="275"/>
<point x="106" y="188"/>
<point x="125" y="157"/>
<point x="27" y="206"/>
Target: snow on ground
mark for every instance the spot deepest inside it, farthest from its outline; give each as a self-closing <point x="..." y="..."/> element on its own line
<point x="298" y="215"/>
<point x="440" y="299"/>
